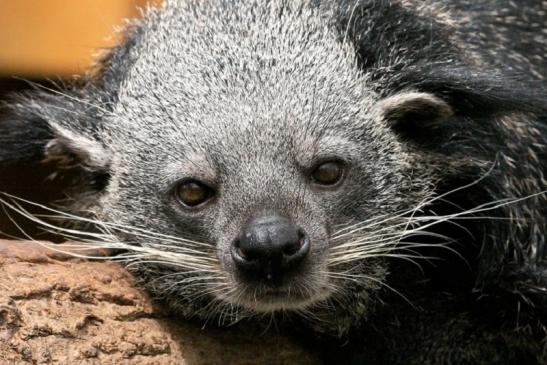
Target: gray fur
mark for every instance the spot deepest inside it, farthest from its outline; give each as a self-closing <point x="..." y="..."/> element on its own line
<point x="248" y="95"/>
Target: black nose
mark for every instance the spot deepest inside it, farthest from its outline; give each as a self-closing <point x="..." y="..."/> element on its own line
<point x="269" y="247"/>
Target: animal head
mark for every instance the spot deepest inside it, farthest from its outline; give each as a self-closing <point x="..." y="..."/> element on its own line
<point x="246" y="155"/>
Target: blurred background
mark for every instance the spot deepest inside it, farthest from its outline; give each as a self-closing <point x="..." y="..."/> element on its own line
<point x="54" y="38"/>
<point x="46" y="41"/>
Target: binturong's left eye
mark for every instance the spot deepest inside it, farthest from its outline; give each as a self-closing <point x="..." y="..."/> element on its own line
<point x="193" y="193"/>
<point x="328" y="173"/>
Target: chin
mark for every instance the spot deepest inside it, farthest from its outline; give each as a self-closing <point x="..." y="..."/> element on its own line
<point x="268" y="299"/>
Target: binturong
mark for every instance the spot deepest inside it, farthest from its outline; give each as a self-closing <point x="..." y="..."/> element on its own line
<point x="371" y="170"/>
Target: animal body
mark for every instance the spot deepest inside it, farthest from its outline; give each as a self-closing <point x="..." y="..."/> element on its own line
<point x="372" y="170"/>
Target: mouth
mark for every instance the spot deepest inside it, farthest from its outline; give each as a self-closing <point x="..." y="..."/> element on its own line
<point x="268" y="299"/>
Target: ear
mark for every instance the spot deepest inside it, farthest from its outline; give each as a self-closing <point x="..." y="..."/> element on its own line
<point x="414" y="115"/>
<point x="31" y="133"/>
<point x="69" y="149"/>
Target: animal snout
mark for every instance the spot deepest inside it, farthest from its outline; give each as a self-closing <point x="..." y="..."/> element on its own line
<point x="269" y="247"/>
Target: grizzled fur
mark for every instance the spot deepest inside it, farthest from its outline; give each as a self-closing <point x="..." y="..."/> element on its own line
<point x="437" y="109"/>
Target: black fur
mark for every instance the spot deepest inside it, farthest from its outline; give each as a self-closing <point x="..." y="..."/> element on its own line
<point x="23" y="139"/>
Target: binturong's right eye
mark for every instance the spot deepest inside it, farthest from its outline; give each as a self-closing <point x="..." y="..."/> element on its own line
<point x="192" y="193"/>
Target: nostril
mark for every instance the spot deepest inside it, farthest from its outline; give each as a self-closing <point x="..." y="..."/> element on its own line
<point x="291" y="249"/>
<point x="238" y="251"/>
<point x="295" y="246"/>
<point x="242" y="253"/>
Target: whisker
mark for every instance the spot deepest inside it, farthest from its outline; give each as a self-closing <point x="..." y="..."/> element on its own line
<point x="124" y="229"/>
<point x="367" y="277"/>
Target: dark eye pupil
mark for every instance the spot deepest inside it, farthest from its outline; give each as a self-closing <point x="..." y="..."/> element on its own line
<point x="327" y="173"/>
<point x="193" y="193"/>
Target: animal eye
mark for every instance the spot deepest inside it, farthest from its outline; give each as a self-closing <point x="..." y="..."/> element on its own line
<point x="193" y="193"/>
<point x="328" y="173"/>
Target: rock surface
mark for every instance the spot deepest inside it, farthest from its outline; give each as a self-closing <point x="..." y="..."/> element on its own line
<point x="58" y="309"/>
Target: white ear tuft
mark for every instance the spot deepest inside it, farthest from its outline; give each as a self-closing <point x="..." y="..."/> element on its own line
<point x="69" y="149"/>
<point x="417" y="108"/>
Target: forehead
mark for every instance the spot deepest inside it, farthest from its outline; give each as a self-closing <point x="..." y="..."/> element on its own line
<point x="238" y="60"/>
<point x="249" y="78"/>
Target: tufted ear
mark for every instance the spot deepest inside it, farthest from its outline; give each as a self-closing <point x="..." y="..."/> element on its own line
<point x="70" y="149"/>
<point x="414" y="115"/>
<point x="32" y="132"/>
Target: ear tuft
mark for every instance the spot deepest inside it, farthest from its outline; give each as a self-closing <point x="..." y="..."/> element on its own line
<point x="414" y="114"/>
<point x="37" y="128"/>
<point x="424" y="108"/>
<point x="68" y="149"/>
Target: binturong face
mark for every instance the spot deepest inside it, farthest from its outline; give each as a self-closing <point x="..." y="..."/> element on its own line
<point x="271" y="200"/>
<point x="265" y="160"/>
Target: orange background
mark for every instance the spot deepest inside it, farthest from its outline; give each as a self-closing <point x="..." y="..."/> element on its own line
<point x="47" y="38"/>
